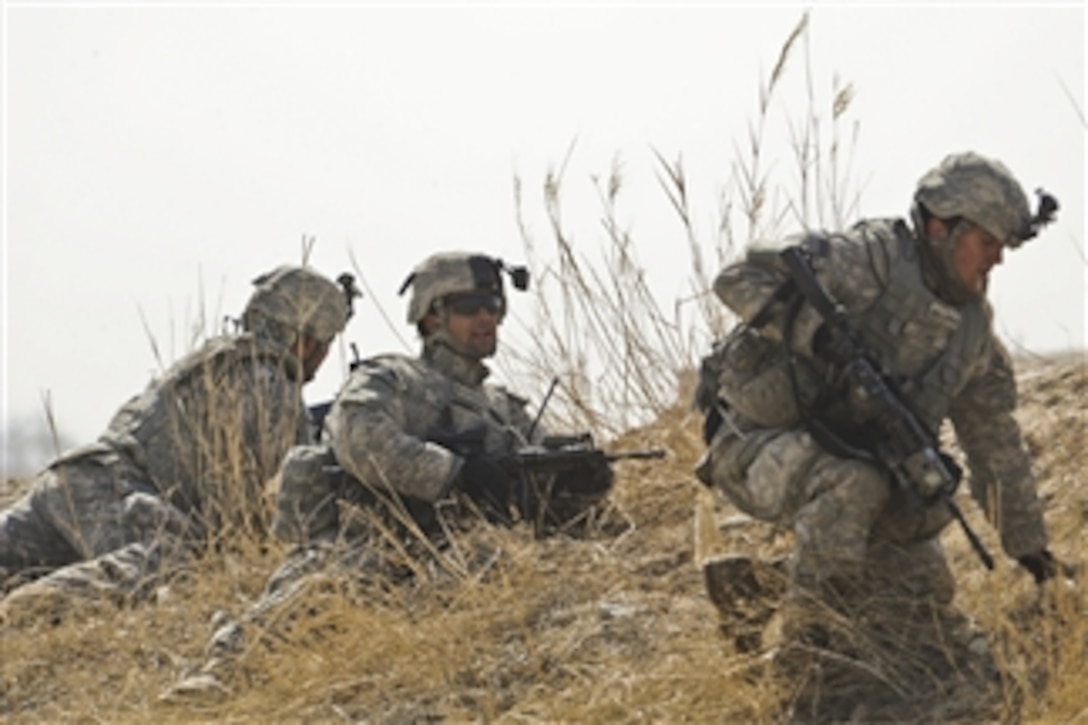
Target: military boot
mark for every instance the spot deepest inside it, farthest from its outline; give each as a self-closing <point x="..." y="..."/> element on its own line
<point x="746" y="592"/>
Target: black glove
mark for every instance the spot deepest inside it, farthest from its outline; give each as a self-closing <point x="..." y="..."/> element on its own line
<point x="463" y="443"/>
<point x="1041" y="564"/>
<point x="486" y="483"/>
<point x="593" y="478"/>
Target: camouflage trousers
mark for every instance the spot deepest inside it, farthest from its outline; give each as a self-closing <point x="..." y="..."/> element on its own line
<point x="306" y="566"/>
<point x="359" y="566"/>
<point x="850" y="524"/>
<point x="337" y="526"/>
<point x="850" y="656"/>
<point x="89" y="529"/>
<point x="860" y="611"/>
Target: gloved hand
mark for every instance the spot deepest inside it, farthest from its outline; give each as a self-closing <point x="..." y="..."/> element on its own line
<point x="485" y="482"/>
<point x="1041" y="564"/>
<point x="463" y="443"/>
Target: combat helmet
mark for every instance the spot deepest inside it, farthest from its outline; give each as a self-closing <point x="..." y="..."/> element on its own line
<point x="984" y="192"/>
<point x="447" y="273"/>
<point x="293" y="299"/>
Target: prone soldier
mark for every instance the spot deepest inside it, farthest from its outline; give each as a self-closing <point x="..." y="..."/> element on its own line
<point x="183" y="465"/>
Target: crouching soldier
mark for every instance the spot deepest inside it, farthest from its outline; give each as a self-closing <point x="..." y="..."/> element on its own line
<point x="824" y="404"/>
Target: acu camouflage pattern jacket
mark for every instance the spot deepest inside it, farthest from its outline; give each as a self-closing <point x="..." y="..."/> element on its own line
<point x="391" y="405"/>
<point x="945" y="359"/>
<point x="210" y="432"/>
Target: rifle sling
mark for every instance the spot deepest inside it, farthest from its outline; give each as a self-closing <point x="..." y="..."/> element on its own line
<point x="821" y="432"/>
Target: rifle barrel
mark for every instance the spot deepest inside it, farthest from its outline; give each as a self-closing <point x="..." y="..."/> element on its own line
<point x="625" y="455"/>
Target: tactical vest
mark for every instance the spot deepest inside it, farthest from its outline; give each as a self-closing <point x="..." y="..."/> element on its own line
<point x="926" y="346"/>
<point x="436" y="402"/>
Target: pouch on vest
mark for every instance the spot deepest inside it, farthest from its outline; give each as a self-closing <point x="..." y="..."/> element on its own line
<point x="754" y="379"/>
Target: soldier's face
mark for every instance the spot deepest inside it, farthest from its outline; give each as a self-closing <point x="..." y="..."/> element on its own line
<point x="975" y="254"/>
<point x="311" y="353"/>
<point x="472" y="322"/>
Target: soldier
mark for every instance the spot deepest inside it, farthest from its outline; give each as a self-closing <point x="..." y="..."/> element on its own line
<point x="183" y="465"/>
<point x="789" y="440"/>
<point x="411" y="427"/>
<point x="413" y="445"/>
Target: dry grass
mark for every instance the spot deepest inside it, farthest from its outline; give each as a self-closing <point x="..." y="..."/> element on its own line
<point x="613" y="628"/>
<point x="616" y="627"/>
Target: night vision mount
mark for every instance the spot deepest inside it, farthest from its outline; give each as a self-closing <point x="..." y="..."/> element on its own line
<point x="519" y="275"/>
<point x="1048" y="207"/>
<point x="350" y="289"/>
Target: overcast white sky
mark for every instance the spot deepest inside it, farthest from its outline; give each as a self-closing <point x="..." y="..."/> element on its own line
<point x="152" y="153"/>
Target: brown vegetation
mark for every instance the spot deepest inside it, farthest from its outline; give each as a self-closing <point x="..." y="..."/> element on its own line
<point x="614" y="628"/>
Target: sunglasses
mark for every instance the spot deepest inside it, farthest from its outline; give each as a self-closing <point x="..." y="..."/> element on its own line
<point x="469" y="305"/>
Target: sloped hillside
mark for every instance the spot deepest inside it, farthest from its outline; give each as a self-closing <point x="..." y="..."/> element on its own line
<point x="617" y="627"/>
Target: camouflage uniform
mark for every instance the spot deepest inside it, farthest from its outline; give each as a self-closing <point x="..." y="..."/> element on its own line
<point x="380" y="500"/>
<point x="380" y="432"/>
<point x="182" y="464"/>
<point x="849" y="521"/>
<point x="867" y="588"/>
<point x="383" y="426"/>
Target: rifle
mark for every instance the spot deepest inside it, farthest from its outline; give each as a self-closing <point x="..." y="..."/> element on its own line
<point x="559" y="453"/>
<point x="559" y="479"/>
<point x="553" y="481"/>
<point x="901" y="443"/>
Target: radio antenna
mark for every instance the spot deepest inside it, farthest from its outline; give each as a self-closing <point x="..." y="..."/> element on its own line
<point x="543" y="405"/>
